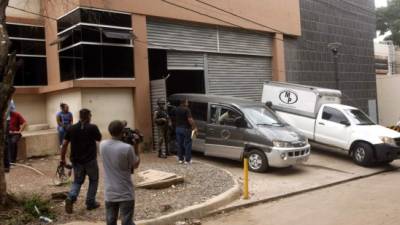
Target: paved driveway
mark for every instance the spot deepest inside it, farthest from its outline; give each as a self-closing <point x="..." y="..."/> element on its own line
<point x="323" y="168"/>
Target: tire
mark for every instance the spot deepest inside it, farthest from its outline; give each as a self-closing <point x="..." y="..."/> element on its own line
<point x="258" y="161"/>
<point x="362" y="154"/>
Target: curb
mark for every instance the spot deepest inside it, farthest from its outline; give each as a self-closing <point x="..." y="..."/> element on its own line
<point x="200" y="210"/>
<point x="288" y="195"/>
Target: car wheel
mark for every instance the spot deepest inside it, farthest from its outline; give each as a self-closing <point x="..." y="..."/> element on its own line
<point x="258" y="161"/>
<point x="362" y="154"/>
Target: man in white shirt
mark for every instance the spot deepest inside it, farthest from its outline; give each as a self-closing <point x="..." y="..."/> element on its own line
<point x="119" y="161"/>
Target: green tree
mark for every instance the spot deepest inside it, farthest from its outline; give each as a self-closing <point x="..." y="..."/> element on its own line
<point x="388" y="19"/>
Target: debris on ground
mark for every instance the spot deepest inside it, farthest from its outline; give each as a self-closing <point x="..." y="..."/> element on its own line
<point x="149" y="203"/>
<point x="155" y="179"/>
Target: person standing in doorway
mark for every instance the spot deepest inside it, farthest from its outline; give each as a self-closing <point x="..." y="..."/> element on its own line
<point x="64" y="121"/>
<point x="82" y="136"/>
<point x="119" y="161"/>
<point x="185" y="125"/>
<point x="161" y="119"/>
<point x="16" y="125"/>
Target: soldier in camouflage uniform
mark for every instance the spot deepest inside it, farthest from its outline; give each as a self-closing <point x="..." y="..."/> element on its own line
<point x="162" y="120"/>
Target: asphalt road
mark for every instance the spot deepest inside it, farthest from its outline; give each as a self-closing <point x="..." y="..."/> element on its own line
<point x="370" y="201"/>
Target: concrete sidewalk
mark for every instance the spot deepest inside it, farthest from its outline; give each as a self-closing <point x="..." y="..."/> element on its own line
<point x="323" y="169"/>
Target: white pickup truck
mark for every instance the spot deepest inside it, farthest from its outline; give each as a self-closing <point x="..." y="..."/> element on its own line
<point x="319" y="115"/>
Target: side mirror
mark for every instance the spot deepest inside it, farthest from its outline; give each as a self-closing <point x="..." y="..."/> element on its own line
<point x="240" y="122"/>
<point x="345" y="122"/>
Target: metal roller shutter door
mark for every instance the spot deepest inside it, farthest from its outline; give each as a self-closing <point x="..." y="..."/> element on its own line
<point x="181" y="36"/>
<point x="185" y="60"/>
<point x="237" y="41"/>
<point x="238" y="76"/>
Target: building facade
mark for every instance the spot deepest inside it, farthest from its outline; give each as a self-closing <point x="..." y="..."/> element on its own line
<point x="310" y="61"/>
<point x="118" y="57"/>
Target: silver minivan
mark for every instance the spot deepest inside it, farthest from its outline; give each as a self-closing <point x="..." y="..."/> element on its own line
<point x="231" y="127"/>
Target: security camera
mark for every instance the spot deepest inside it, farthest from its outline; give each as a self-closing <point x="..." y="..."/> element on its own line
<point x="334" y="47"/>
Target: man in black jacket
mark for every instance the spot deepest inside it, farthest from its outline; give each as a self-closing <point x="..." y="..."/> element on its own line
<point x="82" y="136"/>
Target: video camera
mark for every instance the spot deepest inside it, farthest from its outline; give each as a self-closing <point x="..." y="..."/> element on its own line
<point x="131" y="136"/>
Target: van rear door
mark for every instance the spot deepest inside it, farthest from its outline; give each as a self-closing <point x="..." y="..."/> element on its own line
<point x="223" y="137"/>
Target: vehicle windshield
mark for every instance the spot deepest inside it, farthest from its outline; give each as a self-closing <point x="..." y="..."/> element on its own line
<point x="358" y="117"/>
<point x="263" y="116"/>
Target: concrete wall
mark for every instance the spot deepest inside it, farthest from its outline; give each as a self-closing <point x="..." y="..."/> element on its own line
<point x="72" y="97"/>
<point x="29" y="5"/>
<point x="388" y="99"/>
<point x="280" y="15"/>
<point x="309" y="61"/>
<point x="109" y="104"/>
<point x="32" y="107"/>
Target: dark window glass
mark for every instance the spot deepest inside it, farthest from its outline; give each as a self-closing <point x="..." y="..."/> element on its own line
<point x="92" y="60"/>
<point x="95" y="17"/>
<point x="106" y="18"/>
<point x="70" y="64"/>
<point x="333" y="115"/>
<point x="69" y="20"/>
<point x="77" y="34"/>
<point x="96" y="61"/>
<point x="31" y="71"/>
<point x="214" y="114"/>
<point x="28" y="47"/>
<point x="91" y="34"/>
<point x="117" y="61"/>
<point x="67" y="68"/>
<point x="115" y="19"/>
<point x="90" y="16"/>
<point x="25" y="31"/>
<point x="199" y="110"/>
<point x="68" y="39"/>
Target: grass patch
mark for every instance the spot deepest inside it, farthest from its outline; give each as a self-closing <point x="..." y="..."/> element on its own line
<point x="23" y="210"/>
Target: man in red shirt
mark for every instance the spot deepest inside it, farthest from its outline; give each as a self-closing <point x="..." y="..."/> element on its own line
<point x="15" y="127"/>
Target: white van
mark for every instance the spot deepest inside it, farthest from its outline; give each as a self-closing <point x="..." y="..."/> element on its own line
<point x="319" y="115"/>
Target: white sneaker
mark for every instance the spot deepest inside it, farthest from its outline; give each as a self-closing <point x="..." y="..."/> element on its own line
<point x="180" y="161"/>
<point x="188" y="163"/>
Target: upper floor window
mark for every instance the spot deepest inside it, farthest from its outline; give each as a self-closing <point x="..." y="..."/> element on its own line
<point x="28" y="42"/>
<point x="95" y="44"/>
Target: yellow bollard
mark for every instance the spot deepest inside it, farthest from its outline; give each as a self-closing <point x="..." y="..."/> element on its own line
<point x="246" y="178"/>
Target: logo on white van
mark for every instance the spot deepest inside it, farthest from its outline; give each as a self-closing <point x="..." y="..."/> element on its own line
<point x="288" y="97"/>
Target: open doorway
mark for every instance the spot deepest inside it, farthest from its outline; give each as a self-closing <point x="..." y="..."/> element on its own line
<point x="179" y="80"/>
<point x="185" y="81"/>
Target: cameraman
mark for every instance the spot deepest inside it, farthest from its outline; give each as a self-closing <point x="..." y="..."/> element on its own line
<point x="119" y="160"/>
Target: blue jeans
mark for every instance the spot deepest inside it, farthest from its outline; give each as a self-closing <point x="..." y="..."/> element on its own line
<point x="126" y="210"/>
<point x="12" y="145"/>
<point x="91" y="169"/>
<point x="184" y="142"/>
<point x="61" y="134"/>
